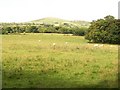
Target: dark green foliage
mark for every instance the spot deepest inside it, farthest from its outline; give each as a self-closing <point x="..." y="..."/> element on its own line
<point x="6" y="30"/>
<point x="105" y="30"/>
<point x="41" y="29"/>
<point x="80" y="31"/>
<point x="17" y="29"/>
<point x="32" y="29"/>
<point x="44" y="28"/>
<point x="65" y="30"/>
<point x="49" y="29"/>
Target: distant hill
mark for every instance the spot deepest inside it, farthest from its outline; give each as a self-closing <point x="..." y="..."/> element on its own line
<point x="52" y="20"/>
<point x="49" y="20"/>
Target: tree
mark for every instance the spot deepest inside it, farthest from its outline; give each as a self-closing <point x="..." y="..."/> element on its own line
<point x="33" y="29"/>
<point x="6" y="30"/>
<point x="79" y="31"/>
<point x="105" y="30"/>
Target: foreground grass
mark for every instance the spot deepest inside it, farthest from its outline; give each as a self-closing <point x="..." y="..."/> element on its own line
<point x="31" y="61"/>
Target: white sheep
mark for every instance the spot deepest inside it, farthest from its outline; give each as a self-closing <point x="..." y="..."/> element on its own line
<point x="96" y="45"/>
<point x="54" y="44"/>
<point x="111" y="46"/>
<point x="66" y="42"/>
<point x="39" y="40"/>
<point x="101" y="45"/>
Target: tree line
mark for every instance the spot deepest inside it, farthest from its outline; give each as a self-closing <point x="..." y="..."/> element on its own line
<point x="45" y="28"/>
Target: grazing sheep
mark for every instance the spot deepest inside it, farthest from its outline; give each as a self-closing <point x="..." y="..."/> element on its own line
<point x="96" y="45"/>
<point x="54" y="44"/>
<point x="111" y="46"/>
<point x="66" y="42"/>
<point x="39" y="40"/>
<point x="101" y="45"/>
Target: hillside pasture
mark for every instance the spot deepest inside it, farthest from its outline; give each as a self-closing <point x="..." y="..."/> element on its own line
<point x="32" y="61"/>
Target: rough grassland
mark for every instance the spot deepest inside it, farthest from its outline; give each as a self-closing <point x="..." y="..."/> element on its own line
<point x="31" y="61"/>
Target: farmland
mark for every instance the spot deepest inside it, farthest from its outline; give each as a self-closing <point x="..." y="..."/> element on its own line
<point x="31" y="61"/>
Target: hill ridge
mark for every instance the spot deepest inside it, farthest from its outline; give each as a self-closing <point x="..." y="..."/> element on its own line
<point x="54" y="20"/>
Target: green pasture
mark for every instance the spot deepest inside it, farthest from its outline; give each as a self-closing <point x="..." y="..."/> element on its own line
<point x="57" y="61"/>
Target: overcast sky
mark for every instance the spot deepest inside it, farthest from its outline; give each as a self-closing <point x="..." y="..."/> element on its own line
<point x="27" y="10"/>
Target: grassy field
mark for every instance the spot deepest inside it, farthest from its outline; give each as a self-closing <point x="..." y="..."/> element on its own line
<point x="32" y="61"/>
